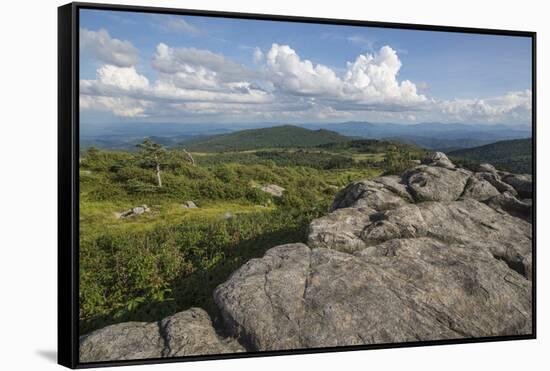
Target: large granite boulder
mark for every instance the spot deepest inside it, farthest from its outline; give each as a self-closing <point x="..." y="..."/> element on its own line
<point x="401" y="290"/>
<point x="185" y="333"/>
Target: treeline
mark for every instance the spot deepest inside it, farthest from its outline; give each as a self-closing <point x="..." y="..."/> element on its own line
<point x="510" y="155"/>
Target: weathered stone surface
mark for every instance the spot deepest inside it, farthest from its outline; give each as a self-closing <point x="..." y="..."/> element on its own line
<point x="402" y="222"/>
<point x="185" y="333"/>
<point x="522" y="183"/>
<point x="511" y="205"/>
<point x="340" y="230"/>
<point x="486" y="168"/>
<point x="395" y="184"/>
<point x="262" y="302"/>
<point x="191" y="333"/>
<point x="431" y="183"/>
<point x="123" y="341"/>
<point x="479" y="189"/>
<point x="401" y="290"/>
<point x="494" y="179"/>
<point x="467" y="221"/>
<point x="368" y="194"/>
<point x="438" y="159"/>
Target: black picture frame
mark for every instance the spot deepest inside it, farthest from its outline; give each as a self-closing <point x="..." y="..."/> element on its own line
<point x="68" y="179"/>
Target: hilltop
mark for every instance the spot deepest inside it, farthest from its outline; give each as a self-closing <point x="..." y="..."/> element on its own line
<point x="451" y="246"/>
<point x="272" y="137"/>
<point x="511" y="155"/>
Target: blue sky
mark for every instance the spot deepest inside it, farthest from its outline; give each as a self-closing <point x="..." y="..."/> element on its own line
<point x="154" y="67"/>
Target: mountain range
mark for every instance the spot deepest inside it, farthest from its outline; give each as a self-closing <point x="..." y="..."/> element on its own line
<point x="433" y="136"/>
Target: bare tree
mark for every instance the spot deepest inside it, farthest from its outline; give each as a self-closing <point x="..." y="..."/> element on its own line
<point x="191" y="159"/>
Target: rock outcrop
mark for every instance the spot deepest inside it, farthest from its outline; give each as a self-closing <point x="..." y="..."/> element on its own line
<point x="182" y="334"/>
<point x="440" y="252"/>
<point x="401" y="290"/>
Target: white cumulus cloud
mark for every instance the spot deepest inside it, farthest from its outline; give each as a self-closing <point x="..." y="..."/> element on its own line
<point x="294" y="75"/>
<point x="107" y="49"/>
<point x="372" y="79"/>
<point x="514" y="106"/>
<point x="279" y="85"/>
<point x="119" y="106"/>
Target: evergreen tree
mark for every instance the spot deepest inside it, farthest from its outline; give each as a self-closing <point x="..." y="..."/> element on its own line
<point x="154" y="156"/>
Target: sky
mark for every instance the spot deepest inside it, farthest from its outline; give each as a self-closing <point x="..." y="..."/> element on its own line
<point x="145" y="67"/>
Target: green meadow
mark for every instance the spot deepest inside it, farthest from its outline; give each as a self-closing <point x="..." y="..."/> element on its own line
<point x="169" y="258"/>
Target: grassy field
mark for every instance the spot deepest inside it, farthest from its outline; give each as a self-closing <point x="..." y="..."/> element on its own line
<point x="148" y="266"/>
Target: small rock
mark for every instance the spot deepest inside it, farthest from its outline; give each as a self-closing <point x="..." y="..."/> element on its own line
<point x="189" y="205"/>
<point x="138" y="210"/>
<point x="273" y="190"/>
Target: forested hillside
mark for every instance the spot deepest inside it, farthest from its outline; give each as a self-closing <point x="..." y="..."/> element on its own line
<point x="510" y="155"/>
<point x="273" y="137"/>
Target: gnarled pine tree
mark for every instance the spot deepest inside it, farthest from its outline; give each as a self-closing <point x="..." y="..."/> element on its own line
<point x="153" y="155"/>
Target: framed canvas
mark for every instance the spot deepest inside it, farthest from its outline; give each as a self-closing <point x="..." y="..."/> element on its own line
<point x="237" y="185"/>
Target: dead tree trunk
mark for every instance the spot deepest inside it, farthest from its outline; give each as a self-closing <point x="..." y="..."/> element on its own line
<point x="159" y="180"/>
<point x="191" y="159"/>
